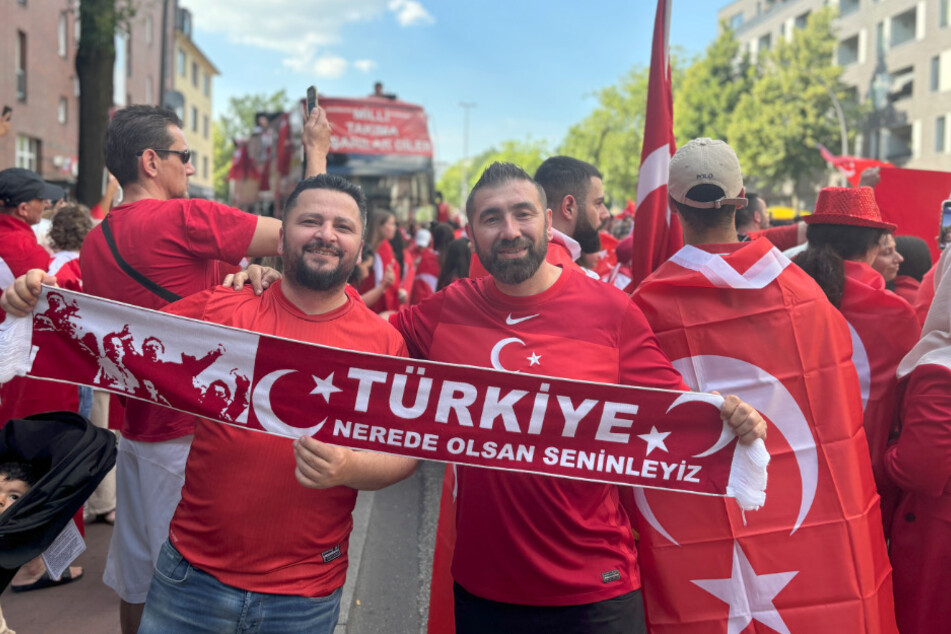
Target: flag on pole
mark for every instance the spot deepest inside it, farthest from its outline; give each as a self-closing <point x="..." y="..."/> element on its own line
<point x="850" y="166"/>
<point x="657" y="233"/>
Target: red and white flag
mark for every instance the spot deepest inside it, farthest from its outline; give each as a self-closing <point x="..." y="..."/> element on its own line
<point x="850" y="166"/>
<point x="657" y="233"/>
<point x="813" y="559"/>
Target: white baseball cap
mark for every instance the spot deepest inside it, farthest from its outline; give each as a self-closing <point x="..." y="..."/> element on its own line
<point x="706" y="161"/>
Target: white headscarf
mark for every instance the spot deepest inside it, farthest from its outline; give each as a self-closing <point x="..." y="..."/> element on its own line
<point x="935" y="343"/>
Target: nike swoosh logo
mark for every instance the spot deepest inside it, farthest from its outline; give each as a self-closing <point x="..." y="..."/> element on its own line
<point x="511" y="321"/>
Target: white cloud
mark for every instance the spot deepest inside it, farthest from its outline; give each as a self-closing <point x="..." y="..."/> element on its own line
<point x="364" y="65"/>
<point x="410" y="12"/>
<point x="305" y="32"/>
<point x="330" y="66"/>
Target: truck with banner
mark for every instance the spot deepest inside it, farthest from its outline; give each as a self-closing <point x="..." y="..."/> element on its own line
<point x="379" y="143"/>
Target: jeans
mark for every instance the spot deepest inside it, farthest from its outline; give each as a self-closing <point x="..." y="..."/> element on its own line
<point x="184" y="599"/>
<point x="85" y="401"/>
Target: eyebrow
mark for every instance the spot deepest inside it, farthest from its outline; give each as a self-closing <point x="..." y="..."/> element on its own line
<point x="517" y="206"/>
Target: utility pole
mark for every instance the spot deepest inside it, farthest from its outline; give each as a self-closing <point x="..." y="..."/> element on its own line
<point x="464" y="186"/>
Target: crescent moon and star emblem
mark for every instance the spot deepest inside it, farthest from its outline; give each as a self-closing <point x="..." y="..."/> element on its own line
<point x="533" y="360"/>
<point x="261" y="401"/>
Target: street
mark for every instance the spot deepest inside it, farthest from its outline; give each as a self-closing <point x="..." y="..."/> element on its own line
<point x="387" y="588"/>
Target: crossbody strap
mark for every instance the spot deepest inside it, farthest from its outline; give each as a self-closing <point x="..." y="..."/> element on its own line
<point x="159" y="290"/>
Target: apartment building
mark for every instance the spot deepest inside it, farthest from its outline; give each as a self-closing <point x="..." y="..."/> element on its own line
<point x="192" y="79"/>
<point x="895" y="53"/>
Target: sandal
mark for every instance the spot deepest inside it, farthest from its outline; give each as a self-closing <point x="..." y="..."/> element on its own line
<point x="46" y="581"/>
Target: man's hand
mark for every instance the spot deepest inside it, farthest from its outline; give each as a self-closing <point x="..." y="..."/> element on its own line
<point x="20" y="298"/>
<point x="746" y="422"/>
<point x="316" y="141"/>
<point x="259" y="276"/>
<point x="319" y="465"/>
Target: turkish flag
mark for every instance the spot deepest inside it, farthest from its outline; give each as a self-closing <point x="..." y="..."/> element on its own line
<point x="657" y="232"/>
<point x="850" y="166"/>
<point x="740" y="319"/>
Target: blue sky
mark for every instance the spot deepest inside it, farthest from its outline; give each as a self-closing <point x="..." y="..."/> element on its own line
<point x="531" y="67"/>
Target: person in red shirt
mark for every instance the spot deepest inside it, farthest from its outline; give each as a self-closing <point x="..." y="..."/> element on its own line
<point x="163" y="247"/>
<point x="538" y="554"/>
<point x="575" y="194"/>
<point x="919" y="462"/>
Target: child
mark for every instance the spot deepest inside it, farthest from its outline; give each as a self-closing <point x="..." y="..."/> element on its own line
<point x="16" y="478"/>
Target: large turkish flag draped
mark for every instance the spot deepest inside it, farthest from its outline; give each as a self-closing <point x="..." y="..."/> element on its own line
<point x="657" y="233"/>
<point x="813" y="559"/>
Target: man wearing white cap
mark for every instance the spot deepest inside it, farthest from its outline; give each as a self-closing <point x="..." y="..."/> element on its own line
<point x="741" y="318"/>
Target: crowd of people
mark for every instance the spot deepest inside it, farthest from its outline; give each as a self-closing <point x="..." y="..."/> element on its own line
<point x="851" y="324"/>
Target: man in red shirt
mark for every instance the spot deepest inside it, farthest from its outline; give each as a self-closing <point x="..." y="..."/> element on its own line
<point x="163" y="247"/>
<point x="539" y="554"/>
<point x="575" y="194"/>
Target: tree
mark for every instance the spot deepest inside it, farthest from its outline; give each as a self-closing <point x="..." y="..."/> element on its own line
<point x="237" y="123"/>
<point x="713" y="85"/>
<point x="527" y="154"/>
<point x="789" y="110"/>
<point x="95" y="59"/>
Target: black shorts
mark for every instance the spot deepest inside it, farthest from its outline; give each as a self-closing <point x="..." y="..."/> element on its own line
<point x="620" y="615"/>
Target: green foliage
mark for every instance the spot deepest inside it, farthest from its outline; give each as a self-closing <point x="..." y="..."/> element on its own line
<point x="527" y="154"/>
<point x="776" y="126"/>
<point x="237" y="123"/>
<point x="712" y="86"/>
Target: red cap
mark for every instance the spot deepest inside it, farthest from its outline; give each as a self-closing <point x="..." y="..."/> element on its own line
<point x="852" y="206"/>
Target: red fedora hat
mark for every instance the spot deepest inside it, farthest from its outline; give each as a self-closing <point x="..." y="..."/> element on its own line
<point x="852" y="206"/>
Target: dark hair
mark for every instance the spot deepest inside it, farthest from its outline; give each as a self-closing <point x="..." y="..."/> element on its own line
<point x="380" y="216"/>
<point x="442" y="236"/>
<point x="132" y="131"/>
<point x="917" y="256"/>
<point x="69" y="227"/>
<point x="744" y="215"/>
<point x="456" y="265"/>
<point x="398" y="244"/>
<point x="334" y="183"/>
<point x="561" y="176"/>
<point x="701" y="220"/>
<point x="20" y="471"/>
<point x="829" y="247"/>
<point x="498" y="174"/>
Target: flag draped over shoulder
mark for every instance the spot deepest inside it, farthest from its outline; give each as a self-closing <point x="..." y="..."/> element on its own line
<point x="742" y="321"/>
<point x="657" y="232"/>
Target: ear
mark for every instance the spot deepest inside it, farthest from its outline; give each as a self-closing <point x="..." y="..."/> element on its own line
<point x="22" y="210"/>
<point x="148" y="163"/>
<point x="568" y="207"/>
<point x="548" y="224"/>
<point x="280" y="240"/>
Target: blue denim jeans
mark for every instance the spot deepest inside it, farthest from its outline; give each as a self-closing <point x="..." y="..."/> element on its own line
<point x="184" y="599"/>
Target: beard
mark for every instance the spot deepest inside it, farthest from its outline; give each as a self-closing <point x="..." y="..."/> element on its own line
<point x="310" y="276"/>
<point x="514" y="271"/>
<point x="586" y="234"/>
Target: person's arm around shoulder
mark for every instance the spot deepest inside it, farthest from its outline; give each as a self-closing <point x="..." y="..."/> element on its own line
<point x="20" y="298"/>
<point x="322" y="466"/>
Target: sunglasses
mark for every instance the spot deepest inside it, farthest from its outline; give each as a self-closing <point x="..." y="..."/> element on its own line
<point x="184" y="155"/>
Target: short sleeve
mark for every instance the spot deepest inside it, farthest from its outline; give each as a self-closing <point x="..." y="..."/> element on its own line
<point x="641" y="360"/>
<point x="217" y="232"/>
<point x="417" y="324"/>
<point x="193" y="306"/>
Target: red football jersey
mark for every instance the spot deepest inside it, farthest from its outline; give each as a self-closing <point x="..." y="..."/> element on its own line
<point x="530" y="539"/>
<point x="243" y="517"/>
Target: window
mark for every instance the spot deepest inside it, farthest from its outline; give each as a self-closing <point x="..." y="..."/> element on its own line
<point x="21" y="65"/>
<point x="848" y="51"/>
<point x="935" y="73"/>
<point x="207" y="85"/>
<point x="195" y="74"/>
<point x="736" y="21"/>
<point x="204" y="167"/>
<point x="204" y="126"/>
<point x="149" y="96"/>
<point x="764" y="42"/>
<point x="119" y="69"/>
<point x="880" y="43"/>
<point x="61" y="111"/>
<point x="148" y="30"/>
<point x="903" y="84"/>
<point x="848" y="6"/>
<point x="904" y="27"/>
<point x="940" y="127"/>
<point x="128" y="56"/>
<point x="194" y="119"/>
<point x="898" y="143"/>
<point x="27" y="153"/>
<point x="801" y="20"/>
<point x="180" y="111"/>
<point x="181" y="62"/>
<point x="61" y="34"/>
<point x="944" y="13"/>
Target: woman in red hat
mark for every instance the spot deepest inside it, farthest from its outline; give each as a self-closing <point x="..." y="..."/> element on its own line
<point x="844" y="236"/>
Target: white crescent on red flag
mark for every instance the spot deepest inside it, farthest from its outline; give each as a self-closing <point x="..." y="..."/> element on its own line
<point x="742" y="320"/>
<point x="657" y="232"/>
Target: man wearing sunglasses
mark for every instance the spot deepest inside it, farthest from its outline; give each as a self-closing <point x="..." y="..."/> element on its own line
<point x="156" y="247"/>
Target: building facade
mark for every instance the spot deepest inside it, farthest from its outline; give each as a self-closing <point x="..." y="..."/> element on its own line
<point x="192" y="77"/>
<point x="895" y="53"/>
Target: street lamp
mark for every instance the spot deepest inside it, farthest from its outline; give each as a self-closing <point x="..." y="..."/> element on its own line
<point x="464" y="186"/>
